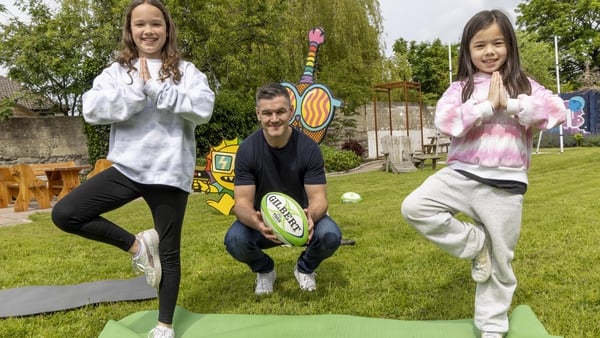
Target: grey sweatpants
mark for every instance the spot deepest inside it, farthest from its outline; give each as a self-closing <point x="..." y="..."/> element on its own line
<point x="431" y="209"/>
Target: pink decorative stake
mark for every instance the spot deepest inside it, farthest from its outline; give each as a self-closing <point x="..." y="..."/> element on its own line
<point x="316" y="37"/>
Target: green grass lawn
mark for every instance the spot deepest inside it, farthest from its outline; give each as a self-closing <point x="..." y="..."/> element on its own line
<point x="391" y="272"/>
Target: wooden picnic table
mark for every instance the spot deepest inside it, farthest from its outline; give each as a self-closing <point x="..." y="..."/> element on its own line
<point x="62" y="180"/>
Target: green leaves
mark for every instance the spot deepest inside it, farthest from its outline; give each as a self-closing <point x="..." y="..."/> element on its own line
<point x="577" y="25"/>
<point x="239" y="44"/>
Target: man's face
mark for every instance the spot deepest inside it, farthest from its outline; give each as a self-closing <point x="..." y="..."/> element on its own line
<point x="274" y="116"/>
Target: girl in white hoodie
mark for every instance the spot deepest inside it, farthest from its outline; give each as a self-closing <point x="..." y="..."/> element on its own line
<point x="153" y="101"/>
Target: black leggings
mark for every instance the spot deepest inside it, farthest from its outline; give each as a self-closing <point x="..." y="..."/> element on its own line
<point x="79" y="212"/>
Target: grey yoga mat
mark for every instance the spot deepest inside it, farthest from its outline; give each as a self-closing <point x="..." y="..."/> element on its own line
<point x="30" y="300"/>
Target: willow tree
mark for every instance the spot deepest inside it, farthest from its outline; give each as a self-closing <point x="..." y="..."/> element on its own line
<point x="351" y="60"/>
<point x="243" y="44"/>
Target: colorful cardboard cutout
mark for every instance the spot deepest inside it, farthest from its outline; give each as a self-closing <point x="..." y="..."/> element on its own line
<point x="313" y="104"/>
<point x="313" y="107"/>
<point x="217" y="176"/>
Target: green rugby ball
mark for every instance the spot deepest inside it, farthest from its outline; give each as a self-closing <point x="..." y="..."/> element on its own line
<point x="286" y="217"/>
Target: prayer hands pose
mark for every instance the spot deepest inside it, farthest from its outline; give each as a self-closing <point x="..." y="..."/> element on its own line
<point x="144" y="72"/>
<point x="497" y="94"/>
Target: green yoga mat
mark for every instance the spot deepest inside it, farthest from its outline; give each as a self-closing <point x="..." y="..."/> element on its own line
<point x="523" y="324"/>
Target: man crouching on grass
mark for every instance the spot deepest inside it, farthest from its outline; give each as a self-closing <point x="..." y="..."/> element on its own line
<point x="279" y="158"/>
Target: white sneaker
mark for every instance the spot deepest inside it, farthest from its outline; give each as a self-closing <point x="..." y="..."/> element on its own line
<point x="161" y="332"/>
<point x="264" y="282"/>
<point x="491" y="335"/>
<point x="481" y="267"/>
<point x="147" y="260"/>
<point x="307" y="281"/>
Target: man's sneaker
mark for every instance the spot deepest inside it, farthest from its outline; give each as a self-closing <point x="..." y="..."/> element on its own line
<point x="147" y="259"/>
<point x="307" y="281"/>
<point x="161" y="332"/>
<point x="481" y="267"/>
<point x="264" y="282"/>
<point x="491" y="335"/>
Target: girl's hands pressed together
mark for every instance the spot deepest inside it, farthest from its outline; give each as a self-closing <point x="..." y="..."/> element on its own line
<point x="144" y="72"/>
<point x="497" y="94"/>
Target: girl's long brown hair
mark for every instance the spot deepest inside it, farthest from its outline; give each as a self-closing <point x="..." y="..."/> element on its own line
<point x="514" y="78"/>
<point x="170" y="54"/>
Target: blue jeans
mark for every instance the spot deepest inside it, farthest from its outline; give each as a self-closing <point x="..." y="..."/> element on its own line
<point x="246" y="245"/>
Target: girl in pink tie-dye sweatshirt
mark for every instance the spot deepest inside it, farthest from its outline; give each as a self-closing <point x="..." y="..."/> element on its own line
<point x="490" y="114"/>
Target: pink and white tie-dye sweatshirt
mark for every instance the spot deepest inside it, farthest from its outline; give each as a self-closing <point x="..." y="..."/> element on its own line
<point x="495" y="144"/>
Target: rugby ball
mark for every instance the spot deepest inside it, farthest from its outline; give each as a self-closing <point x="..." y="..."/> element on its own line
<point x="286" y="217"/>
<point x="351" y="197"/>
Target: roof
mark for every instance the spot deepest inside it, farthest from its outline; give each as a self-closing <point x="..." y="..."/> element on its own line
<point x="9" y="88"/>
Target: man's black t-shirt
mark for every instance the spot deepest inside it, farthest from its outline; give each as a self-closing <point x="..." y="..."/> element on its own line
<point x="284" y="170"/>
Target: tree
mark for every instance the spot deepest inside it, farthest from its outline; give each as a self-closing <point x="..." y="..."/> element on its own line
<point x="56" y="55"/>
<point x="428" y="64"/>
<point x="350" y="61"/>
<point x="537" y="59"/>
<point x="243" y="44"/>
<point x="577" y="25"/>
<point x="239" y="44"/>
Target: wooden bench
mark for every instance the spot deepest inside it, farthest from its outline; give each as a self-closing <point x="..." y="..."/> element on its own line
<point x="30" y="187"/>
<point x="429" y="148"/>
<point x="9" y="187"/>
<point x="100" y="165"/>
<point x="420" y="159"/>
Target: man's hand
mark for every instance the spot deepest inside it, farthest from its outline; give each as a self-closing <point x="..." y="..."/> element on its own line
<point x="311" y="225"/>
<point x="265" y="230"/>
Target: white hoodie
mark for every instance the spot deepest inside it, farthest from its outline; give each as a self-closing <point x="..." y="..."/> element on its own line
<point x="152" y="126"/>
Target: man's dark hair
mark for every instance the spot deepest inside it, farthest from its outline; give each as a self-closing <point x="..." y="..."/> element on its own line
<point x="271" y="91"/>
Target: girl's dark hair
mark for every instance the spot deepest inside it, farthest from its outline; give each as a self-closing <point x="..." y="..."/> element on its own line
<point x="170" y="54"/>
<point x="514" y="78"/>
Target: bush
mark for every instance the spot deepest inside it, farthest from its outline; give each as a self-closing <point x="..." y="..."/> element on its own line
<point x="354" y="146"/>
<point x="590" y="141"/>
<point x="97" y="140"/>
<point x="339" y="160"/>
<point x="552" y="140"/>
<point x="233" y="116"/>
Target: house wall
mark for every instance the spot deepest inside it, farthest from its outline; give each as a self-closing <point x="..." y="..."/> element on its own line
<point x="43" y="139"/>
